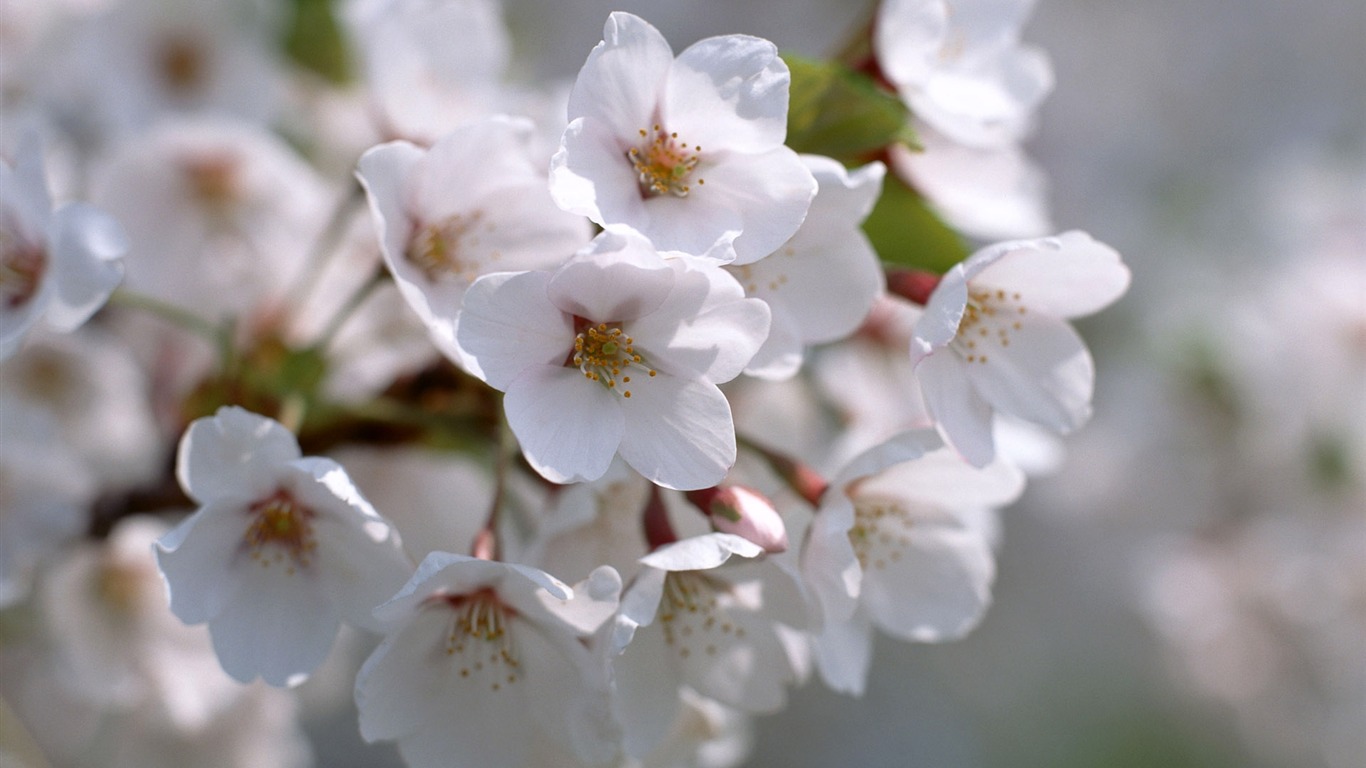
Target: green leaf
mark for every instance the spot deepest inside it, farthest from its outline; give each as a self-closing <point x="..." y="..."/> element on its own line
<point x="838" y="112"/>
<point x="905" y="232"/>
<point x="314" y="40"/>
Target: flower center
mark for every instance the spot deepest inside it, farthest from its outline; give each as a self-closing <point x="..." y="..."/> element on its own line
<point x="283" y="524"/>
<point x="663" y="164"/>
<point x="441" y="249"/>
<point x="880" y="532"/>
<point x="181" y="63"/>
<point x="214" y="179"/>
<point x="606" y="355"/>
<point x="21" y="270"/>
<point x="988" y="320"/>
<point x="692" y="616"/>
<point x="479" y="637"/>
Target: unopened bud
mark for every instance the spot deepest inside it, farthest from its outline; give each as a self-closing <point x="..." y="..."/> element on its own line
<point x="745" y="513"/>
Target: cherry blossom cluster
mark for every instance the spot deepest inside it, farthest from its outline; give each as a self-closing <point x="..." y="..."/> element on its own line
<point x="607" y="424"/>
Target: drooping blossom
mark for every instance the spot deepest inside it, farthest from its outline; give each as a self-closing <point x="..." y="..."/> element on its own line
<point x="484" y="659"/>
<point x="690" y="619"/>
<point x="687" y="150"/>
<point x="617" y="352"/>
<point x="281" y="550"/>
<point x="994" y="337"/>
<point x="902" y="541"/>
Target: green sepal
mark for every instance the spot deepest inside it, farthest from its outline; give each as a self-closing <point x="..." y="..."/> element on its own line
<point x="838" y="112"/>
<point x="314" y="40"/>
<point x="906" y="233"/>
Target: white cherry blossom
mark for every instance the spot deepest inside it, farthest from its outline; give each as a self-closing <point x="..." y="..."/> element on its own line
<point x="903" y="542"/>
<point x="281" y="550"/>
<point x="56" y="265"/>
<point x="483" y="660"/>
<point x="687" y="150"/>
<point x="994" y="337"/>
<point x="960" y="66"/>
<point x="821" y="283"/>
<point x="690" y="619"/>
<point x="472" y="204"/>
<point x="617" y="352"/>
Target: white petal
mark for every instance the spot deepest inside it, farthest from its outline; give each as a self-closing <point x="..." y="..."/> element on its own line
<point x="399" y="684"/>
<point x="508" y="324"/>
<point x="618" y="277"/>
<point x="678" y="433"/>
<point x="198" y="559"/>
<point x="938" y="324"/>
<point x="1045" y="376"/>
<point x="830" y="568"/>
<point x="939" y="588"/>
<point x="279" y="626"/>
<point x="86" y="243"/>
<point x="728" y="92"/>
<point x="568" y="692"/>
<point x="941" y="478"/>
<point x="706" y="328"/>
<point x="700" y="553"/>
<point x="770" y="192"/>
<point x="233" y="453"/>
<point x="591" y="175"/>
<point x="1070" y="275"/>
<point x="621" y="82"/>
<point x="647" y="691"/>
<point x="569" y="427"/>
<point x="909" y="37"/>
<point x="782" y="352"/>
<point x="844" y="652"/>
<point x="963" y="416"/>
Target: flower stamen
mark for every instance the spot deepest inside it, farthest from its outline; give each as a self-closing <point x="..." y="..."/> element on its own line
<point x="664" y="165"/>
<point x="282" y="522"/>
<point x="604" y="352"/>
<point x="21" y="270"/>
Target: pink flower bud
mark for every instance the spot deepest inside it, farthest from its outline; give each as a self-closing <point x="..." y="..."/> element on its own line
<point x="749" y="514"/>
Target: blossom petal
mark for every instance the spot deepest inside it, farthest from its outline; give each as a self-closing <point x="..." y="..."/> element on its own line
<point x="619" y="276"/>
<point x="591" y="175"/>
<point x="569" y="428"/>
<point x="844" y="653"/>
<point x="508" y="324"/>
<point x="197" y="559"/>
<point x="398" y="683"/>
<point x="679" y="433"/>
<point x="1070" y="275"/>
<point x="700" y="553"/>
<point x="939" y="588"/>
<point x="941" y="478"/>
<point x="963" y="416"/>
<point x="770" y="191"/>
<point x="273" y="627"/>
<point x="1045" y="376"/>
<point x="623" y="76"/>
<point x="728" y="92"/>
<point x="233" y="453"/>
<point x="86" y="243"/>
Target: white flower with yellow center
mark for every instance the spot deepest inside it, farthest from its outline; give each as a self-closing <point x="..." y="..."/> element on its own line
<point x="689" y="151"/>
<point x="617" y="352"/>
<point x="994" y="338"/>
<point x="484" y="660"/>
<point x="282" y="549"/>
<point x="902" y="542"/>
<point x="472" y="204"/>
<point x="59" y="265"/>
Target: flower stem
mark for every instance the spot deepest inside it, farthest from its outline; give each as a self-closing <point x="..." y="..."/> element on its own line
<point x="326" y="246"/>
<point x="219" y="335"/>
<point x="800" y="477"/>
<point x="349" y="307"/>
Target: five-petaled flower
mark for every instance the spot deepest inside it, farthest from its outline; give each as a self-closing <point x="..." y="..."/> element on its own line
<point x="688" y="151"/>
<point x="280" y="551"/>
